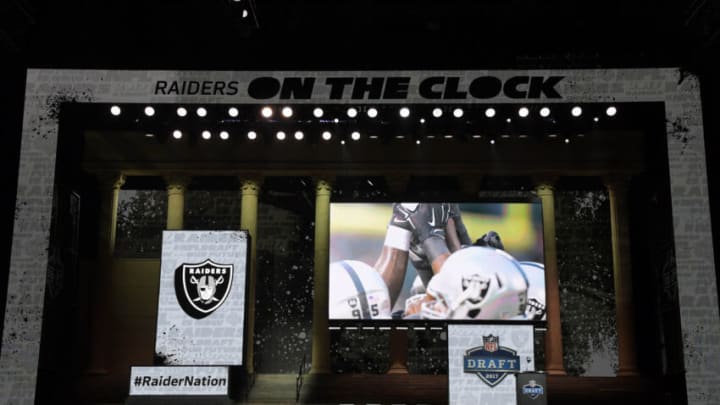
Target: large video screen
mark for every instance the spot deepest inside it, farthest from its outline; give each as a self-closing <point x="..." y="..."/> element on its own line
<point x="437" y="261"/>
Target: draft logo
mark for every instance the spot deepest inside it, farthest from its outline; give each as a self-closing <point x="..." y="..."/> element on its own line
<point x="201" y="288"/>
<point x="491" y="362"/>
<point x="533" y="389"/>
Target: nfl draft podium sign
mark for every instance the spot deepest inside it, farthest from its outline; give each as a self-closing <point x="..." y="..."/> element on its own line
<point x="483" y="361"/>
<point x="531" y="389"/>
<point x="201" y="318"/>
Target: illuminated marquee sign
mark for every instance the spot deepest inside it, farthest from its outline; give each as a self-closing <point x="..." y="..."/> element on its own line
<point x="371" y="87"/>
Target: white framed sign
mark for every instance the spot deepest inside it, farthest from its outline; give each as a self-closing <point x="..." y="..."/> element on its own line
<point x="483" y="360"/>
<point x="179" y="380"/>
<point x="201" y="302"/>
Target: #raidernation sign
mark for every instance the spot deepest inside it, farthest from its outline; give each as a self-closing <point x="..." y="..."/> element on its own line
<point x="201" y="288"/>
<point x="201" y="304"/>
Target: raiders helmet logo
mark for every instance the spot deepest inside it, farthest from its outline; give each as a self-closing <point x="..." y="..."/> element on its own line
<point x="475" y="287"/>
<point x="201" y="288"/>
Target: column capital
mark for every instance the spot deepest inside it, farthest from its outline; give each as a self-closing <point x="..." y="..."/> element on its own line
<point x="545" y="182"/>
<point x="176" y="183"/>
<point x="250" y="185"/>
<point x="111" y="180"/>
<point x="616" y="182"/>
<point x="323" y="185"/>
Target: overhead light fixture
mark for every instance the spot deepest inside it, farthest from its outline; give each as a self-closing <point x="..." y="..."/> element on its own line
<point x="287" y="112"/>
<point x="233" y="112"/>
<point x="544" y="112"/>
<point x="404" y="112"/>
<point x="318" y="112"/>
<point x="326" y="135"/>
<point x="115" y="110"/>
<point x="490" y="112"/>
<point x="177" y="134"/>
<point x="181" y="111"/>
<point x="149" y="111"/>
<point x="352" y="112"/>
<point x="252" y="135"/>
<point x="266" y="112"/>
<point x="201" y="112"/>
<point x="355" y="136"/>
<point x="437" y="112"/>
<point x="224" y="135"/>
<point x="523" y="112"/>
<point x="372" y="112"/>
<point x="299" y="135"/>
<point x="206" y="134"/>
<point x="458" y="112"/>
<point x="576" y="111"/>
<point x="280" y="135"/>
<point x="611" y="111"/>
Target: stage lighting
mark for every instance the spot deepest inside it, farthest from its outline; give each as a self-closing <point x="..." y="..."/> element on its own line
<point x="576" y="111"/>
<point x="177" y="134"/>
<point x="318" y="112"/>
<point x="115" y="110"/>
<point x="206" y="134"/>
<point x="404" y="112"/>
<point x="252" y="135"/>
<point x="149" y="111"/>
<point x="492" y="142"/>
<point x="567" y="140"/>
<point x="326" y="135"/>
<point x="596" y="119"/>
<point x="490" y="112"/>
<point x="417" y="142"/>
<point x="437" y="112"/>
<point x="280" y="135"/>
<point x="355" y="136"/>
<point x="508" y="120"/>
<point x="611" y="111"/>
<point x="233" y="112"/>
<point x="287" y="112"/>
<point x="372" y="112"/>
<point x="201" y="112"/>
<point x="523" y="112"/>
<point x="299" y="135"/>
<point x="458" y="112"/>
<point x="181" y="112"/>
<point x="352" y="112"/>
<point x="224" y="135"/>
<point x="545" y="112"/>
<point x="422" y="120"/>
<point x="266" y="112"/>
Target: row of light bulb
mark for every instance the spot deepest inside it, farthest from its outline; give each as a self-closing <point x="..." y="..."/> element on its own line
<point x="371" y="112"/>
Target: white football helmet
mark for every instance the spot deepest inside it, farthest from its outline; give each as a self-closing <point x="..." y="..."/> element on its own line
<point x="477" y="283"/>
<point x="536" y="306"/>
<point x="357" y="291"/>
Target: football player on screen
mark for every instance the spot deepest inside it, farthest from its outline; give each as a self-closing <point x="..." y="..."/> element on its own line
<point x="475" y="283"/>
<point x="357" y="292"/>
<point x="426" y="234"/>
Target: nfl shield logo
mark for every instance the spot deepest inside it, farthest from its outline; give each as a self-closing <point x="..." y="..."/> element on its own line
<point x="201" y="288"/>
<point x="490" y="343"/>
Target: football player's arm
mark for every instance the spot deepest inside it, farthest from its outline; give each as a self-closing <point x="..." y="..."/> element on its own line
<point x="457" y="234"/>
<point x="392" y="265"/>
<point x="393" y="260"/>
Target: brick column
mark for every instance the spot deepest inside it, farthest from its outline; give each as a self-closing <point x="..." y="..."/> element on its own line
<point x="622" y="274"/>
<point x="248" y="221"/>
<point x="553" y="338"/>
<point x="320" y="333"/>
<point x="100" y="279"/>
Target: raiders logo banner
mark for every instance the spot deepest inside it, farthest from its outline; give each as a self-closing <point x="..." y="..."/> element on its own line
<point x="201" y="303"/>
<point x="483" y="361"/>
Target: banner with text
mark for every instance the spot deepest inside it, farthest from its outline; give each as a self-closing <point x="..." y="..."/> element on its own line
<point x="179" y="381"/>
<point x="201" y="304"/>
<point x="483" y="360"/>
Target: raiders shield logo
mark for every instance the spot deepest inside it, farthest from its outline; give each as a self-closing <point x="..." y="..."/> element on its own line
<point x="201" y="288"/>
